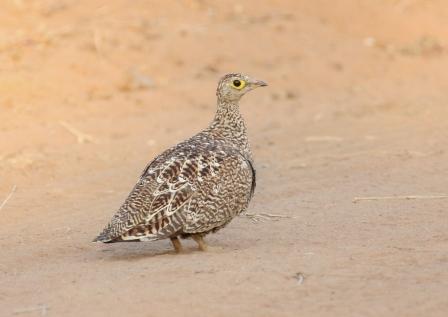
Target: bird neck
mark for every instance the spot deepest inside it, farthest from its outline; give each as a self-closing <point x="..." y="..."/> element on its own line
<point x="228" y="125"/>
<point x="228" y="117"/>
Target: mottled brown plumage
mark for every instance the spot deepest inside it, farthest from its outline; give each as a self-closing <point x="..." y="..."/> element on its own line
<point x="197" y="186"/>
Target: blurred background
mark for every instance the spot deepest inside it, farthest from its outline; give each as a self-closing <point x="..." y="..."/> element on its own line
<point x="90" y="91"/>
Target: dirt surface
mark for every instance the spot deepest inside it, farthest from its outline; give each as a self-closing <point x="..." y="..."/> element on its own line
<point x="90" y="91"/>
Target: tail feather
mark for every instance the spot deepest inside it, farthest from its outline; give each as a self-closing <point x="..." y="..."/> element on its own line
<point x="103" y="237"/>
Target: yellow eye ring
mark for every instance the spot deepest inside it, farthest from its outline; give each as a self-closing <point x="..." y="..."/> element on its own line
<point x="238" y="84"/>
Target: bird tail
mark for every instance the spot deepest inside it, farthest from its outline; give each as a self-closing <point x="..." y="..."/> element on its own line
<point x="103" y="237"/>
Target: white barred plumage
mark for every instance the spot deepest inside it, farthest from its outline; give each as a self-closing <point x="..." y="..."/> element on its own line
<point x="197" y="186"/>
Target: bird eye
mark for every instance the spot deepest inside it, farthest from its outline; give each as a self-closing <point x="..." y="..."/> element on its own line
<point x="238" y="84"/>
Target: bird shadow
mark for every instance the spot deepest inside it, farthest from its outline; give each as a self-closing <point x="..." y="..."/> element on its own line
<point x="132" y="255"/>
<point x="140" y="250"/>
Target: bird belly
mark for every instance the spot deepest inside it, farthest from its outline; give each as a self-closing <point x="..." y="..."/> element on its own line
<point x="215" y="208"/>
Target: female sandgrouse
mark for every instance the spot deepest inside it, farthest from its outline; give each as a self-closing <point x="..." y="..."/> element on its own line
<point x="197" y="186"/>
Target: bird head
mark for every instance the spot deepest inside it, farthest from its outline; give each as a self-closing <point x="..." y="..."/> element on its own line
<point x="232" y="87"/>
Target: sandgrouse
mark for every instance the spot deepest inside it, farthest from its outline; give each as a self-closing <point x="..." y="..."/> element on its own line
<point x="199" y="185"/>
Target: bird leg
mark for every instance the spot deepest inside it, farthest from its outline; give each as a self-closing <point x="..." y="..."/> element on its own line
<point x="176" y="244"/>
<point x="200" y="241"/>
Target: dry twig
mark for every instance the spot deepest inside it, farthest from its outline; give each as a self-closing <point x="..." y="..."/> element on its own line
<point x="356" y="199"/>
<point x="81" y="137"/>
<point x="8" y="197"/>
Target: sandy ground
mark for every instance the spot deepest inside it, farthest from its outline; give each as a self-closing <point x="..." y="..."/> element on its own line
<point x="357" y="106"/>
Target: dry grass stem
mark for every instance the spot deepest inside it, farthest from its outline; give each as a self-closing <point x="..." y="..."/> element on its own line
<point x="97" y="40"/>
<point x="409" y="197"/>
<point x="264" y="216"/>
<point x="81" y="137"/>
<point x="8" y="197"/>
<point x="42" y="308"/>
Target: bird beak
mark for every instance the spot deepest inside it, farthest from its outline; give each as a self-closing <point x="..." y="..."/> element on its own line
<point x="258" y="83"/>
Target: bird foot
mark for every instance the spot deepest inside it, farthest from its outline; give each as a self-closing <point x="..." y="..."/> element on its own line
<point x="176" y="244"/>
<point x="200" y="241"/>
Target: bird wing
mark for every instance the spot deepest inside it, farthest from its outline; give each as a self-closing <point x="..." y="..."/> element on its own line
<point x="254" y="176"/>
<point x="166" y="185"/>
